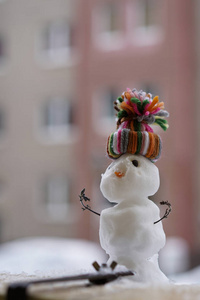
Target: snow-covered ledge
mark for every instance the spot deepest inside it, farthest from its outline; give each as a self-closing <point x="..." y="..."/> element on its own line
<point x="35" y="258"/>
<point x="41" y="257"/>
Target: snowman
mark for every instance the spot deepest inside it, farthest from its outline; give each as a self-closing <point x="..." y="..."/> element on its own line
<point x="128" y="231"/>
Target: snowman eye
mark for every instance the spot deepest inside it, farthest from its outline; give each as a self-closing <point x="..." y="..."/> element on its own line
<point x="110" y="166"/>
<point x="135" y="162"/>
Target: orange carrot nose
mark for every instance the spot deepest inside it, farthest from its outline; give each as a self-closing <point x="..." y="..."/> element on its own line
<point x="119" y="174"/>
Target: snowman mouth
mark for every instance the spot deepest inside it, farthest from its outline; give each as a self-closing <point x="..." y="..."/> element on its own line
<point x="119" y="174"/>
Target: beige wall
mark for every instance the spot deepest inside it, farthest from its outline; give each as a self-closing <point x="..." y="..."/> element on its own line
<point x="26" y="82"/>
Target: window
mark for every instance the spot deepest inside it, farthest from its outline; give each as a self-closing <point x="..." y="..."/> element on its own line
<point x="110" y="97"/>
<point x="110" y="16"/>
<point x="147" y="24"/>
<point x="2" y="124"/>
<point x="147" y="17"/>
<point x="57" y="43"/>
<point x="57" y="113"/>
<point x="108" y="25"/>
<point x="56" y="198"/>
<point x="150" y="87"/>
<point x="2" y="50"/>
<point x="2" y="121"/>
<point x="2" y="187"/>
<point x="57" y="122"/>
<point x="104" y="112"/>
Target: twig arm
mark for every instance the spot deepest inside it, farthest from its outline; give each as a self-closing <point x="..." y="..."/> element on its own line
<point x="167" y="212"/>
<point x="84" y="199"/>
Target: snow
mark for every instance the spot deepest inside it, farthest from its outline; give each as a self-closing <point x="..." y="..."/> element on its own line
<point x="191" y="277"/>
<point x="127" y="230"/>
<point x="175" y="256"/>
<point x="44" y="256"/>
<point x="175" y="261"/>
<point x="39" y="257"/>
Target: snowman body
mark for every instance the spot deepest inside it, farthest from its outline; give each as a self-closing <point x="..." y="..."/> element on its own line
<point x="127" y="230"/>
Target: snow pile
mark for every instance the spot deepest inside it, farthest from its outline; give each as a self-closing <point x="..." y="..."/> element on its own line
<point x="48" y="256"/>
<point x="175" y="261"/>
<point x="191" y="277"/>
<point x="175" y="256"/>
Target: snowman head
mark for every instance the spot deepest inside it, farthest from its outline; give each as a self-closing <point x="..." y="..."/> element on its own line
<point x="129" y="177"/>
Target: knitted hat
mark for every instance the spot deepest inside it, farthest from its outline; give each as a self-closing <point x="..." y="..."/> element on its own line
<point x="135" y="112"/>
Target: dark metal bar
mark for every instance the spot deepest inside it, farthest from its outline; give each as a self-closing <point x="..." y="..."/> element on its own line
<point x="18" y="291"/>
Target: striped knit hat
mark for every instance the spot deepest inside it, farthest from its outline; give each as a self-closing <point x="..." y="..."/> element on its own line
<point x="135" y="112"/>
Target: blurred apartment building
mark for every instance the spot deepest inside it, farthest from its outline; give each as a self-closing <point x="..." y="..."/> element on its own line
<point x="63" y="62"/>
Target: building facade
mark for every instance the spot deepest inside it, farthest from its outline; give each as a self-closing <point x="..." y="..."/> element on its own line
<point x="63" y="62"/>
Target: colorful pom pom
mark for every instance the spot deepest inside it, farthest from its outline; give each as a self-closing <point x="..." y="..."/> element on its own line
<point x="137" y="108"/>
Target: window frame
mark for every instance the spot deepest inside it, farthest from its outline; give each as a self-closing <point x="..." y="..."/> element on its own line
<point x="55" y="210"/>
<point x="142" y="34"/>
<point x="62" y="56"/>
<point x="103" y="122"/>
<point x="107" y="40"/>
<point x="56" y="134"/>
<point x="47" y="214"/>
